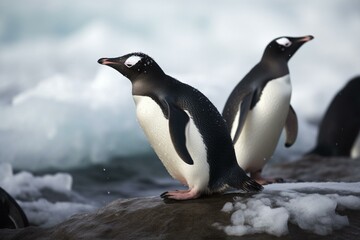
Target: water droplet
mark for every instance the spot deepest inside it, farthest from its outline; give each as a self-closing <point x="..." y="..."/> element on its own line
<point x="104" y="169"/>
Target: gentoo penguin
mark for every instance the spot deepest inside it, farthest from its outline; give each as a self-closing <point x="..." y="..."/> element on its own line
<point x="11" y="214"/>
<point x="340" y="125"/>
<point x="259" y="107"/>
<point x="184" y="128"/>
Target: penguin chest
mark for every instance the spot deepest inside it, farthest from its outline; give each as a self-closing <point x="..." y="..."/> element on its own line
<point x="263" y="125"/>
<point x="156" y="128"/>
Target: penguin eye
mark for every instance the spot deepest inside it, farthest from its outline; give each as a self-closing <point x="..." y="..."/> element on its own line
<point x="284" y="42"/>
<point x="131" y="61"/>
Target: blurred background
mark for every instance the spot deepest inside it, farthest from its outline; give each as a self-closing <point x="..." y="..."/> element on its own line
<point x="68" y="134"/>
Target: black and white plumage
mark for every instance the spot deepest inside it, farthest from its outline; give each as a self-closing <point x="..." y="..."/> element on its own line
<point x="259" y="107"/>
<point x="184" y="128"/>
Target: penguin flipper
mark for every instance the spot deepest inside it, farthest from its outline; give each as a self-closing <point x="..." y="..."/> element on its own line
<point x="178" y="119"/>
<point x="291" y="127"/>
<point x="244" y="109"/>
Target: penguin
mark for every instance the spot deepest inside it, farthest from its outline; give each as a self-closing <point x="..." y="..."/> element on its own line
<point x="184" y="128"/>
<point x="339" y="128"/>
<point x="11" y="214"/>
<point x="259" y="108"/>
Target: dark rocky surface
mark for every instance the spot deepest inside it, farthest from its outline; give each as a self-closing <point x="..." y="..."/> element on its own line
<point x="154" y="218"/>
<point x="315" y="168"/>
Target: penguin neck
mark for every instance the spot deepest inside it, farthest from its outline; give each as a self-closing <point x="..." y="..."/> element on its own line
<point x="279" y="66"/>
<point x="145" y="84"/>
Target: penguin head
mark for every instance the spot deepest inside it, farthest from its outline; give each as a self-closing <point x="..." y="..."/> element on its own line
<point x="285" y="47"/>
<point x="133" y="65"/>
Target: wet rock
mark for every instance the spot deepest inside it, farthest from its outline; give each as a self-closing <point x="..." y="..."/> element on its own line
<point x="316" y="168"/>
<point x="154" y="218"/>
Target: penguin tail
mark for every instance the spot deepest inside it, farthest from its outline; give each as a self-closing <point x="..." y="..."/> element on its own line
<point x="243" y="182"/>
<point x="250" y="185"/>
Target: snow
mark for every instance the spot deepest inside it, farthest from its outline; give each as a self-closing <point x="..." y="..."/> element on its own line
<point x="316" y="213"/>
<point x="297" y="203"/>
<point x="256" y="217"/>
<point x="47" y="214"/>
<point x="40" y="208"/>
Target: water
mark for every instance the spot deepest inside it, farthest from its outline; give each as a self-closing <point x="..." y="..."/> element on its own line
<point x="61" y="112"/>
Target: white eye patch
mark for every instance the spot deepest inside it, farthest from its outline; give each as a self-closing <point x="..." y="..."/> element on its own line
<point x="131" y="61"/>
<point x="284" y="42"/>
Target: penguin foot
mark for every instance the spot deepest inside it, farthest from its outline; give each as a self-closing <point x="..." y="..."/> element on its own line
<point x="264" y="181"/>
<point x="181" y="194"/>
<point x="165" y="194"/>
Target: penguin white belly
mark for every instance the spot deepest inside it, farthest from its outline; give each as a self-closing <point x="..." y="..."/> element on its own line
<point x="263" y="125"/>
<point x="156" y="128"/>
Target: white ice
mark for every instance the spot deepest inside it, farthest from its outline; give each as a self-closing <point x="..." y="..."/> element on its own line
<point x="28" y="190"/>
<point x="301" y="204"/>
<point x="47" y="214"/>
<point x="59" y="108"/>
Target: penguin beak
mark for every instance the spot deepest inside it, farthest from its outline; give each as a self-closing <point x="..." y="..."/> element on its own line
<point x="298" y="42"/>
<point x="305" y="39"/>
<point x="107" y="61"/>
<point x="115" y="63"/>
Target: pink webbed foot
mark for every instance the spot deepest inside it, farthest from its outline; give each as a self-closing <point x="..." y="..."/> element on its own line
<point x="181" y="194"/>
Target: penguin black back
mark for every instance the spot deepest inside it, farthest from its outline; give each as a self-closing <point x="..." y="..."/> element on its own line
<point x="340" y="125"/>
